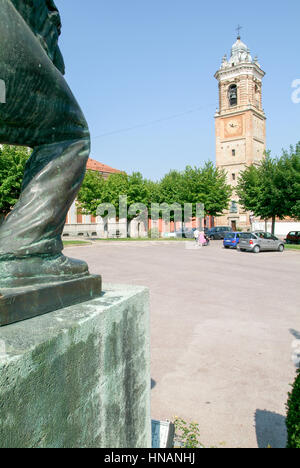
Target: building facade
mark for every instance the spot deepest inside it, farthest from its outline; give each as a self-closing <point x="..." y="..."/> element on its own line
<point x="240" y="124"/>
<point x="78" y="224"/>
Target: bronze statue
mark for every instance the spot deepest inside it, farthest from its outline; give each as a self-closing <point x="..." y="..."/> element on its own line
<point x="40" y="112"/>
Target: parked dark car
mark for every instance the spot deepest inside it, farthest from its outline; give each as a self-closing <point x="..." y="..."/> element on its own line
<point x="231" y="240"/>
<point x="189" y="233"/>
<point x="218" y="233"/>
<point x="293" y="237"/>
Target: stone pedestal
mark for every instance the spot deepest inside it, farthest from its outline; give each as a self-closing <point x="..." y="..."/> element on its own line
<point x="18" y="304"/>
<point x="80" y="376"/>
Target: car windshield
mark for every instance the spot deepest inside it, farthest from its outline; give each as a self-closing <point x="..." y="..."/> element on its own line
<point x="230" y="235"/>
<point x="246" y="235"/>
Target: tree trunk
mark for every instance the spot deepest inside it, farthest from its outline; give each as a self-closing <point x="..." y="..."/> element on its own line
<point x="273" y="225"/>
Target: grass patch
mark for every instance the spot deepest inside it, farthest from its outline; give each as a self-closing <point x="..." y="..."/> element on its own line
<point x="292" y="247"/>
<point x="75" y="242"/>
<point x="145" y="239"/>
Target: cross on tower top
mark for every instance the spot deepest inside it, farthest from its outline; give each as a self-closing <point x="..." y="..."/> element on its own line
<point x="238" y="29"/>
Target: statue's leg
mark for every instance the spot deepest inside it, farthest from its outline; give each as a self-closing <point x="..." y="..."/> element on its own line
<point x="30" y="238"/>
<point x="40" y="111"/>
<point x="35" y="225"/>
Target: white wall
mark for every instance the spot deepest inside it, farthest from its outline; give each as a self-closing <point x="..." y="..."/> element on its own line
<point x="282" y="228"/>
<point x="87" y="228"/>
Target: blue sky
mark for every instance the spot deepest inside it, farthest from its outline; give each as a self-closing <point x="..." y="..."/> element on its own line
<point x="148" y="66"/>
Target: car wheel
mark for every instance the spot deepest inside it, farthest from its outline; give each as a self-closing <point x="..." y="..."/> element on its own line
<point x="242" y="250"/>
<point x="281" y="248"/>
<point x="212" y="238"/>
<point x="256" y="249"/>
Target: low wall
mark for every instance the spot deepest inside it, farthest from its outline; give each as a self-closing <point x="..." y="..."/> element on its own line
<point x="86" y="229"/>
<point x="79" y="377"/>
<point x="281" y="228"/>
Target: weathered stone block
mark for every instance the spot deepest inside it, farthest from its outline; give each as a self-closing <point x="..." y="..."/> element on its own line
<point x="80" y="376"/>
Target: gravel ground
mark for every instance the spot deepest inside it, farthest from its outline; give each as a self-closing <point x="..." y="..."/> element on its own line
<point x="225" y="327"/>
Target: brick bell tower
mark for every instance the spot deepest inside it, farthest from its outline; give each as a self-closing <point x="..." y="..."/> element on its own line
<point x="240" y="123"/>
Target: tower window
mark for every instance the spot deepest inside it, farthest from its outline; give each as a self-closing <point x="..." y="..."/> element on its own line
<point x="234" y="207"/>
<point x="257" y="96"/>
<point x="233" y="152"/>
<point x="232" y="95"/>
<point x="233" y="176"/>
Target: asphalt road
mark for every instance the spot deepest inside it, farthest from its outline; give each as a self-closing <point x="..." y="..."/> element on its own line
<point x="224" y="324"/>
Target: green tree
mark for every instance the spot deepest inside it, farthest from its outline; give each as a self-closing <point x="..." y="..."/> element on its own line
<point x="153" y="193"/>
<point x="138" y="198"/>
<point x="96" y="191"/>
<point x="293" y="415"/>
<point x="137" y="191"/>
<point x="289" y="180"/>
<point x="170" y="194"/>
<point x="271" y="196"/>
<point x="12" y="165"/>
<point x="207" y="185"/>
<point x="272" y="188"/>
<point x="188" y="434"/>
<point x="91" y="193"/>
<point x="248" y="188"/>
<point x="258" y="192"/>
<point x="171" y="188"/>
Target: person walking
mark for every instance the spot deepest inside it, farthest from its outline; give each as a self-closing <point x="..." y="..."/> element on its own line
<point x="201" y="239"/>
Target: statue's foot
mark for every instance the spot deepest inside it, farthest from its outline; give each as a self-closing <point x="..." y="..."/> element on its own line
<point x="27" y="271"/>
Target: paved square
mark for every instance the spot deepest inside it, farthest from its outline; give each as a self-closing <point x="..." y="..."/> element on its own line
<point x="223" y="328"/>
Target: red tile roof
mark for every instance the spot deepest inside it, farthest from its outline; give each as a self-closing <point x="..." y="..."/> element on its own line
<point x="98" y="166"/>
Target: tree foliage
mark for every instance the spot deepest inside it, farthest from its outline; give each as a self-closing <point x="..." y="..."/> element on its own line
<point x="272" y="188"/>
<point x="293" y="415"/>
<point x="12" y="165"/>
<point x="289" y="180"/>
<point x="171" y="188"/>
<point x="188" y="434"/>
<point x="248" y="188"/>
<point x="95" y="191"/>
<point x="91" y="192"/>
<point x="205" y="185"/>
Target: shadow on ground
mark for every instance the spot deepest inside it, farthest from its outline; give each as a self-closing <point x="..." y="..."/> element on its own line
<point x="296" y="347"/>
<point x="270" y="429"/>
<point x="295" y="333"/>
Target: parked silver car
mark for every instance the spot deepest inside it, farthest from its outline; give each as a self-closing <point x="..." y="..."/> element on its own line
<point x="259" y="241"/>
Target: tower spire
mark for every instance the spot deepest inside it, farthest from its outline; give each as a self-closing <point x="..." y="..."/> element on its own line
<point x="238" y="30"/>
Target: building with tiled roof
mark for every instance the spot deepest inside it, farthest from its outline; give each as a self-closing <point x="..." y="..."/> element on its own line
<point x="105" y="170"/>
<point x="78" y="224"/>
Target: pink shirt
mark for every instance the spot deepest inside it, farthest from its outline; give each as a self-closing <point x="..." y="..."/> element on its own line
<point x="201" y="239"/>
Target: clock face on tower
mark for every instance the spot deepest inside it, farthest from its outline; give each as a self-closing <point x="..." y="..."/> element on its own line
<point x="233" y="126"/>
